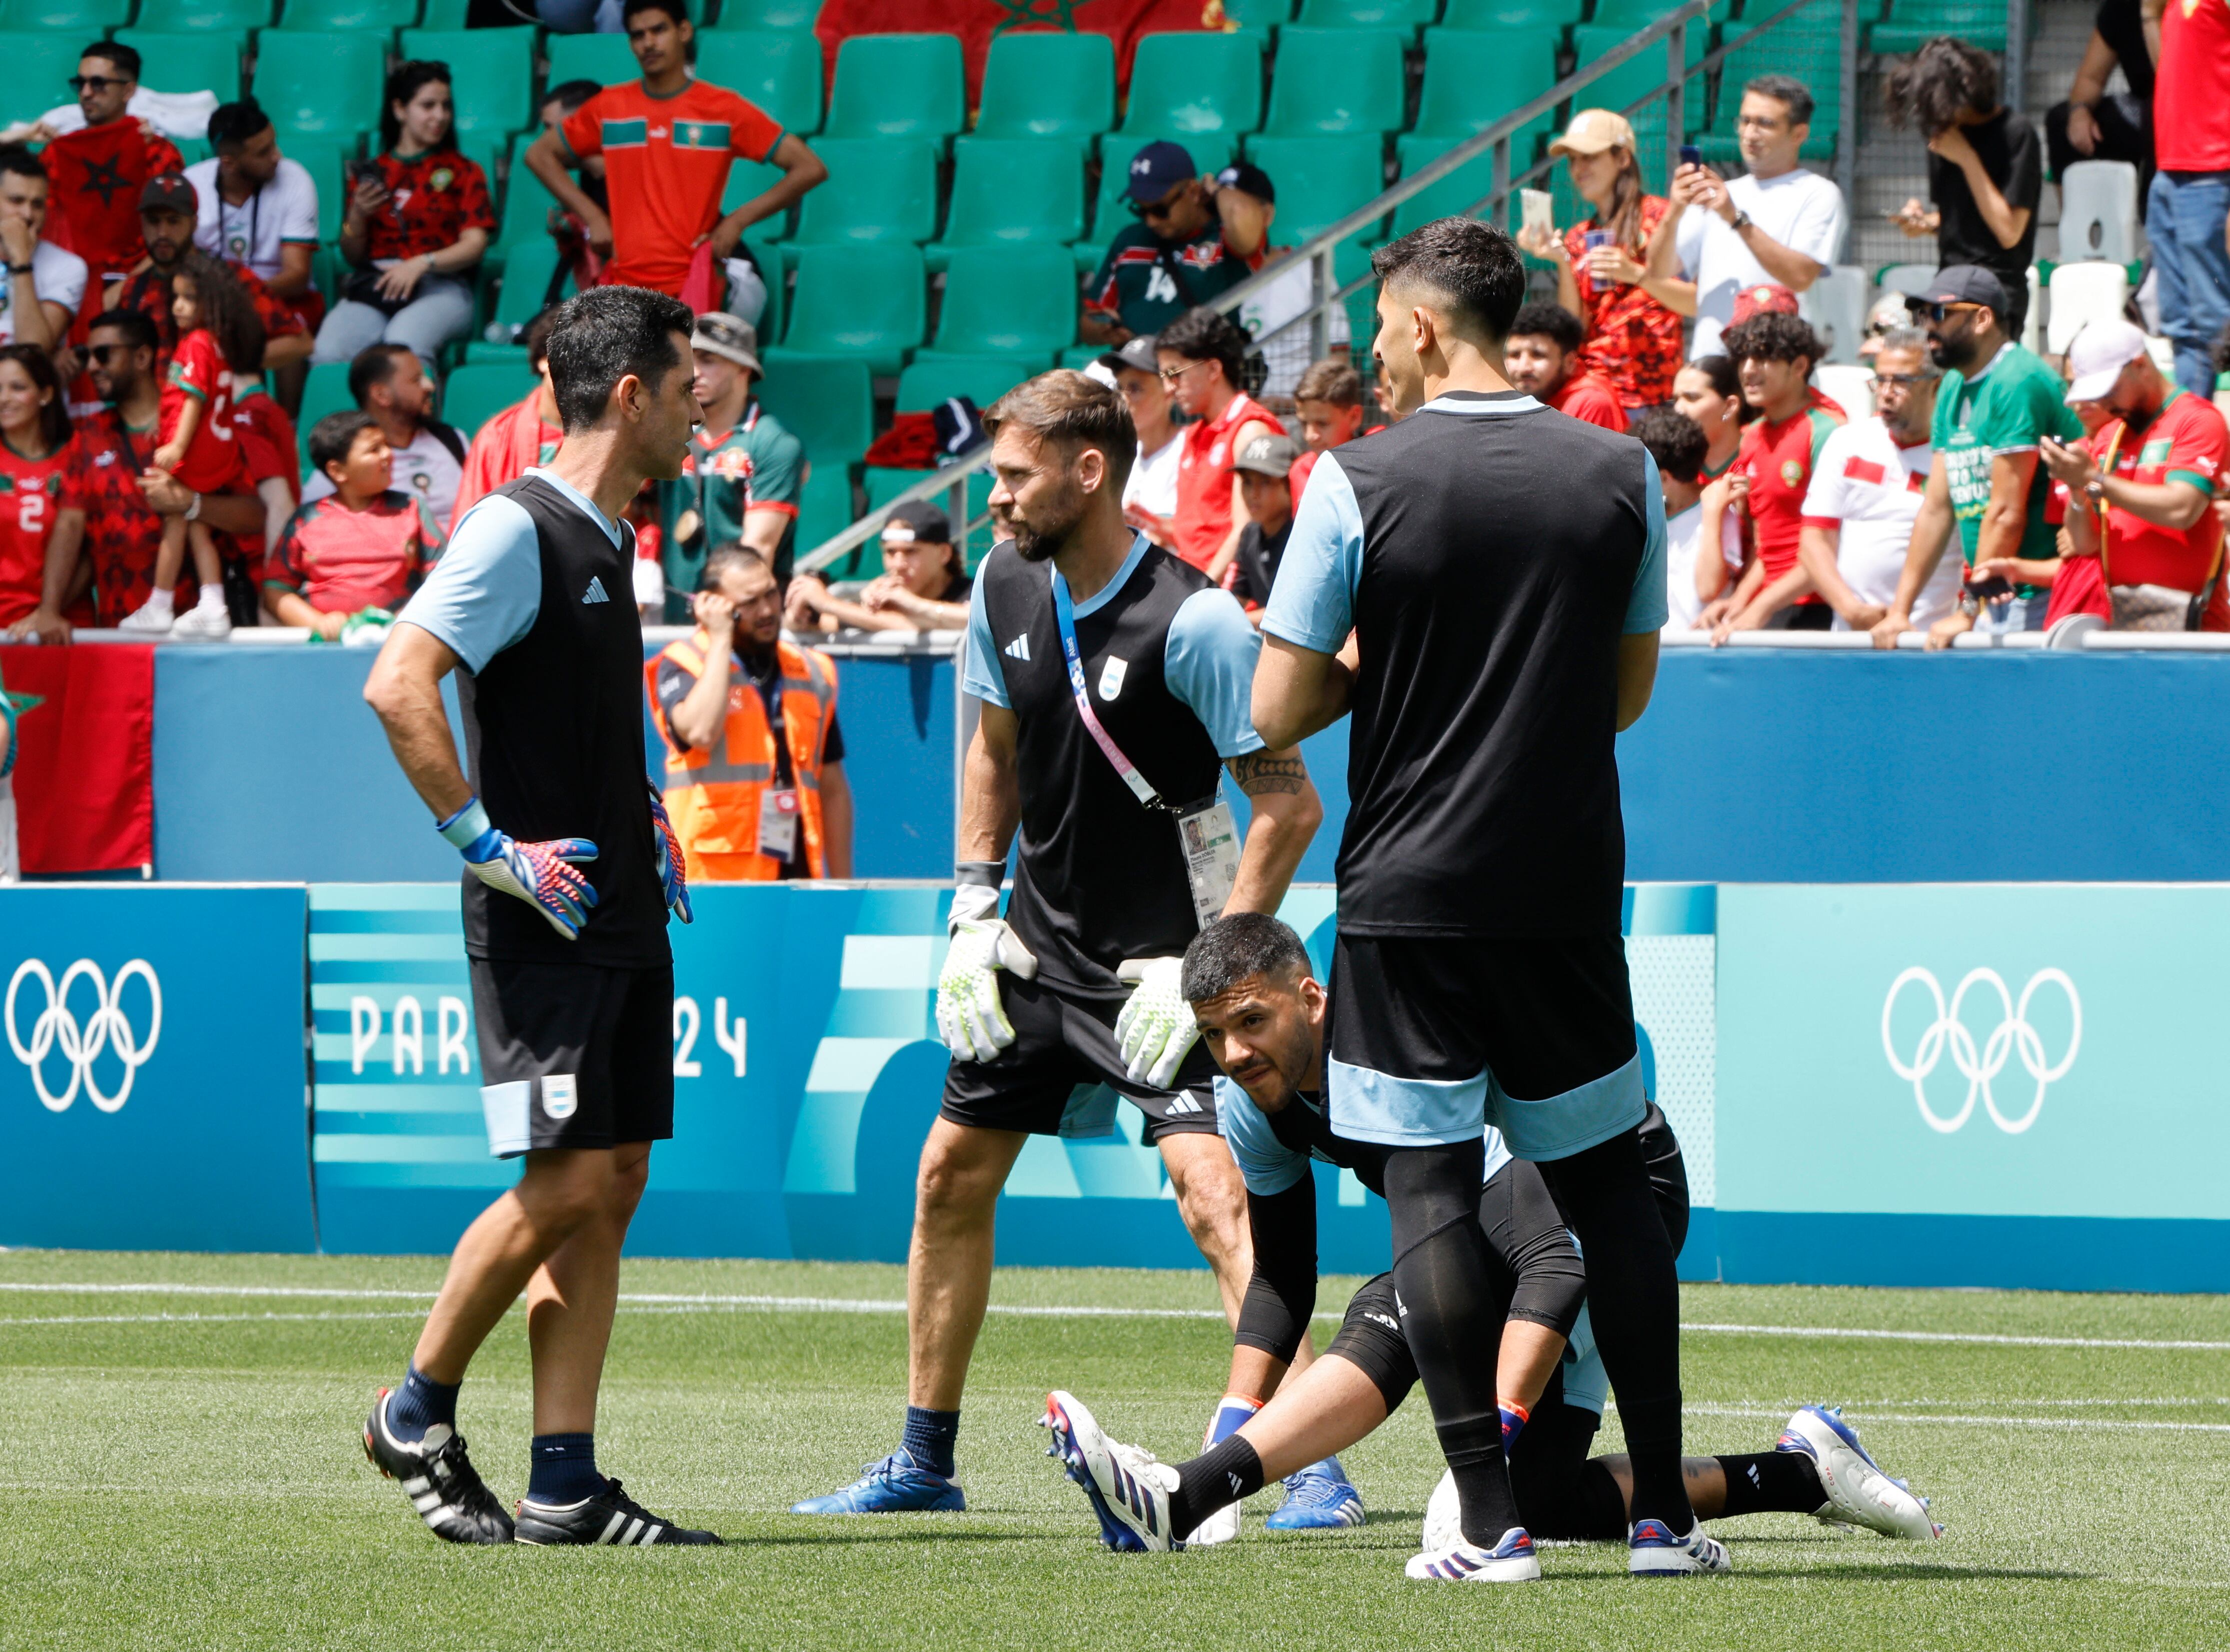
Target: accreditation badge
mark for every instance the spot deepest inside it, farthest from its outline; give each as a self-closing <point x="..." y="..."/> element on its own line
<point x="1210" y="838"/>
<point x="778" y="822"/>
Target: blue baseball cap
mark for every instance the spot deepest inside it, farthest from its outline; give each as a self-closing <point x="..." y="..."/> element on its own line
<point x="1157" y="168"/>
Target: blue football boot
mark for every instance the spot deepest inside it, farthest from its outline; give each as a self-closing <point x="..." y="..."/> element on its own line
<point x="893" y="1485"/>
<point x="1320" y="1498"/>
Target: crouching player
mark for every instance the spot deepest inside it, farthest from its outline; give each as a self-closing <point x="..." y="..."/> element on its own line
<point x="1261" y="1014"/>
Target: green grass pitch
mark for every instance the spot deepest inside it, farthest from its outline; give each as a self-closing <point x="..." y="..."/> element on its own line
<point x="179" y="1468"/>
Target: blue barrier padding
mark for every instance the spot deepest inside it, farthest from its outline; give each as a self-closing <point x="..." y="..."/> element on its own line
<point x="2004" y="1252"/>
<point x="180" y="1124"/>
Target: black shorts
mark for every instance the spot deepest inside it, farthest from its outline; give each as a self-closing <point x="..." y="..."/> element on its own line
<point x="573" y="1054"/>
<point x="1433" y="1037"/>
<point x="1064" y="1047"/>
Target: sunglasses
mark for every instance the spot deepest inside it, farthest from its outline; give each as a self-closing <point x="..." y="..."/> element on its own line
<point x="1908" y="379"/>
<point x="1160" y="208"/>
<point x="100" y="353"/>
<point x="96" y="82"/>
<point x="1169" y="376"/>
<point x="1942" y="312"/>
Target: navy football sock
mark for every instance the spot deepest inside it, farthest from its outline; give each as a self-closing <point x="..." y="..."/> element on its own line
<point x="563" y="1469"/>
<point x="929" y="1438"/>
<point x="418" y="1404"/>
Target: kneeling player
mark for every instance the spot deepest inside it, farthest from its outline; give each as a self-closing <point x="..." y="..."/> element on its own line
<point x="1262" y="1015"/>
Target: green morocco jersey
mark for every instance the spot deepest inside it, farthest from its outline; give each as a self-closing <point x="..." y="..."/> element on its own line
<point x="758" y="465"/>
<point x="2005" y="409"/>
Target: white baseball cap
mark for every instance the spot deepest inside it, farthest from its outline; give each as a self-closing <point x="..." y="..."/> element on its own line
<point x="2097" y="358"/>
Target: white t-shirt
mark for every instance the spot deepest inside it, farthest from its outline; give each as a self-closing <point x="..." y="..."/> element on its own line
<point x="1801" y="210"/>
<point x="1287" y="355"/>
<point x="1684" y="537"/>
<point x="426" y="469"/>
<point x="1870" y="489"/>
<point x="1153" y="481"/>
<point x="58" y="276"/>
<point x="252" y="233"/>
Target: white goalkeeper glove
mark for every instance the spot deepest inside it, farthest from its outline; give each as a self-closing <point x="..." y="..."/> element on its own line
<point x="969" y="1017"/>
<point x="1156" y="1029"/>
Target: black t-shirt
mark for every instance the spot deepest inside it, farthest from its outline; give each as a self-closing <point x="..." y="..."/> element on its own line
<point x="2121" y="24"/>
<point x="1257" y="558"/>
<point x="2013" y="159"/>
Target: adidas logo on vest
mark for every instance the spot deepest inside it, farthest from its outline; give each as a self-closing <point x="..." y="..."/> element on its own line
<point x="596" y="591"/>
<point x="1019" y="648"/>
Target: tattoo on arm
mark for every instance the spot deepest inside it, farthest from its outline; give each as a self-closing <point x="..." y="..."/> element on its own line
<point x="1259" y="773"/>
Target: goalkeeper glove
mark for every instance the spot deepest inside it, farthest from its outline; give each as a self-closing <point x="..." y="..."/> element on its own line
<point x="541" y="874"/>
<point x="1156" y="1029"/>
<point x="673" y="878"/>
<point x="969" y="1017"/>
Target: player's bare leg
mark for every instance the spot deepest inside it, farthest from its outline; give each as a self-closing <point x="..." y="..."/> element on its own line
<point x="949" y="1263"/>
<point x="571" y="1298"/>
<point x="1212" y="1199"/>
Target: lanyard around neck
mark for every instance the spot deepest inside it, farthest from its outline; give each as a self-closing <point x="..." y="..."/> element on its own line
<point x="1064" y="613"/>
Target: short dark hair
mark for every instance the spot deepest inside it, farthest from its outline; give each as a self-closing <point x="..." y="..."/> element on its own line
<point x="409" y="79"/>
<point x="1774" y="336"/>
<point x="729" y="553"/>
<point x="1066" y="407"/>
<point x="1236" y="948"/>
<point x="1473" y="265"/>
<point x="535" y="339"/>
<point x="603" y="335"/>
<point x="1932" y="88"/>
<point x="1331" y="381"/>
<point x="231" y="125"/>
<point x="117" y="53"/>
<point x="676" y="10"/>
<point x="333" y="437"/>
<point x="372" y="367"/>
<point x="570" y="95"/>
<point x="1206" y="335"/>
<point x="1677" y="443"/>
<point x="15" y="157"/>
<point x="1785" y="89"/>
<point x="1539" y="320"/>
<point x="137" y="326"/>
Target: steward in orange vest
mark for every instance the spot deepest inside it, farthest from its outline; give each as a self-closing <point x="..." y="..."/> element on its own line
<point x="726" y="804"/>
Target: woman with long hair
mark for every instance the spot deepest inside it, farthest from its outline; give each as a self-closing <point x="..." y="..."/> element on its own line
<point x="1632" y="319"/>
<point x="42" y="577"/>
<point x="418" y="220"/>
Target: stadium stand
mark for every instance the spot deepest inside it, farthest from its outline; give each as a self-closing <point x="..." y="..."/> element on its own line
<point x="879" y="189"/>
<point x="898" y="86"/>
<point x="1188" y="87"/>
<point x="494" y="83"/>
<point x="1473" y="78"/>
<point x="1209" y="151"/>
<point x="1511" y="14"/>
<point x="193" y="15"/>
<point x="1262" y="19"/>
<point x="828" y="405"/>
<point x="326" y="391"/>
<point x="1320" y="180"/>
<point x="477" y="392"/>
<point x="784" y="16"/>
<point x="1048" y="85"/>
<point x="1369" y="13"/>
<point x="1334" y="82"/>
<point x="39" y="68"/>
<point x="320" y="85"/>
<point x="1911" y="23"/>
<point x="604" y="59"/>
<point x="1017" y="301"/>
<point x="780" y="72"/>
<point x="1808" y="46"/>
<point x="346" y="16"/>
<point x="867" y="302"/>
<point x="79" y="17"/>
<point x="201" y="61"/>
<point x="1012" y="192"/>
<point x="931" y="382"/>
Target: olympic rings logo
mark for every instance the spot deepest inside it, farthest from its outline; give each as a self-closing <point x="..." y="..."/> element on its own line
<point x="1979" y="1066"/>
<point x="57" y="1029"/>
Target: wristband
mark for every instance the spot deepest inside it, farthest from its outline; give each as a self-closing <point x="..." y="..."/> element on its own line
<point x="466" y="826"/>
<point x="991" y="872"/>
<point x="19" y="269"/>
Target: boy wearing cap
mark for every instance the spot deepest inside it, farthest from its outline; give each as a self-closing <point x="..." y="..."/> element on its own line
<point x="2149" y="478"/>
<point x="745" y="472"/>
<point x="1149" y="495"/>
<point x="924" y="585"/>
<point x="1246" y="201"/>
<point x="1169" y="261"/>
<point x="1264" y="466"/>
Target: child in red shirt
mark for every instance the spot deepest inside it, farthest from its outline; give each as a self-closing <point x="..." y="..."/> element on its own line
<point x="363" y="546"/>
<point x="217" y="326"/>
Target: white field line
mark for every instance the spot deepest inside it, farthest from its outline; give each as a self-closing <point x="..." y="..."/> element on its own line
<point x="2076" y="1423"/>
<point x="869" y="1305"/>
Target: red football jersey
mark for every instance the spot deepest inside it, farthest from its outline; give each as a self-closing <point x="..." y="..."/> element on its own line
<point x="33" y="491"/>
<point x="211" y="464"/>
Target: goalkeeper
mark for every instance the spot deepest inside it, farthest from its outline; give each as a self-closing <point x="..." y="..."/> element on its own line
<point x="1113" y="684"/>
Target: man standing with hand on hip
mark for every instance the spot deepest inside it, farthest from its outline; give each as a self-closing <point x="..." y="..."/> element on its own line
<point x="570" y="872"/>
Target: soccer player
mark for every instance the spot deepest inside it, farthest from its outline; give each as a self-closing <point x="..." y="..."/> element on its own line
<point x="667" y="140"/>
<point x="1261" y="1014"/>
<point x="1112" y="679"/>
<point x="571" y="871"/>
<point x="1479" y="976"/>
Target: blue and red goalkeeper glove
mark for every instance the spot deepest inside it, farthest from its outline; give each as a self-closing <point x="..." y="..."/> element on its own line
<point x="673" y="876"/>
<point x="544" y="875"/>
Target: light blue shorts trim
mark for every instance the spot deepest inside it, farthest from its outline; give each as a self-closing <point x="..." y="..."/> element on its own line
<point x="1587" y="1384"/>
<point x="1370" y="1106"/>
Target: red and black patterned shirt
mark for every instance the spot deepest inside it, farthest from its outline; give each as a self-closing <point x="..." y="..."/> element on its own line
<point x="121" y="533"/>
<point x="432" y="199"/>
<point x="149" y="292"/>
<point x="1633" y="340"/>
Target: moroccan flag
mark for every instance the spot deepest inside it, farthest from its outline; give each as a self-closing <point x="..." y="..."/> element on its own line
<point x="976" y="22"/>
<point x="94" y="178"/>
<point x="85" y="764"/>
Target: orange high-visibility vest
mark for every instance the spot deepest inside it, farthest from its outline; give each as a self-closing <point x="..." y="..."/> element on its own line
<point x="712" y="797"/>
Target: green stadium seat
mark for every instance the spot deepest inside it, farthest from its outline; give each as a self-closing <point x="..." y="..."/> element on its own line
<point x="884" y="486"/>
<point x="604" y="59"/>
<point x="1808" y="46"/>
<point x="325" y="86"/>
<point x="326" y="391"/>
<point x="495" y="75"/>
<point x="898" y="86"/>
<point x="1048" y="85"/>
<point x="869" y="303"/>
<point x="1511" y="14"/>
<point x="1472" y="79"/>
<point x="1189" y="86"/>
<point x="83" y="18"/>
<point x="1014" y="301"/>
<point x="879" y="189"/>
<point x="786" y="16"/>
<point x="824" y="510"/>
<point x="195" y="63"/>
<point x="827" y="404"/>
<point x="781" y="73"/>
<point x="196" y="16"/>
<point x="1637" y="77"/>
<point x="769" y="259"/>
<point x="747" y="181"/>
<point x="1012" y="192"/>
<point x="1259" y="18"/>
<point x="1469" y="182"/>
<point x="445" y="14"/>
<point x="1079" y="356"/>
<point x="476" y="392"/>
<point x="39" y="70"/>
<point x="526" y="203"/>
<point x="1913" y="22"/>
<point x="1331" y="82"/>
<point x="324" y="159"/>
<point x="527" y="275"/>
<point x="1320" y="180"/>
<point x="1210" y="151"/>
<point x="1369" y="13"/>
<point x="1635" y="15"/>
<point x="348" y="17"/>
<point x="933" y="379"/>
